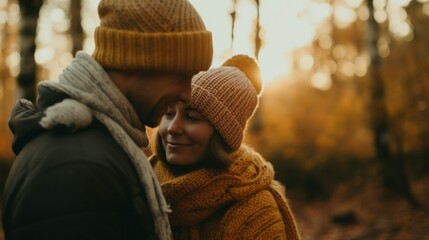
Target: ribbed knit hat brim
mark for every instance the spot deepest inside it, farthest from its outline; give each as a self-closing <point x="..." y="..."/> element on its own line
<point x="188" y="52"/>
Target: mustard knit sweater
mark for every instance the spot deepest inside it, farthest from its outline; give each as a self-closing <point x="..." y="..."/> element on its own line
<point x="236" y="203"/>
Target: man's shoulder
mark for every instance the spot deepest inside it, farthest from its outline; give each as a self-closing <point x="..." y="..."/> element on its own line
<point x="90" y="145"/>
<point x="88" y="158"/>
<point x="92" y="148"/>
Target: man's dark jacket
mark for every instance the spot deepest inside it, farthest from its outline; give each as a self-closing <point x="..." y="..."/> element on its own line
<point x="68" y="184"/>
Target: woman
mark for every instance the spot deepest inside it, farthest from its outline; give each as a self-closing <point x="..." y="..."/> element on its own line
<point x="217" y="187"/>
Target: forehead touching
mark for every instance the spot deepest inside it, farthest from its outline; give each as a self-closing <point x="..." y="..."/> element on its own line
<point x="189" y="108"/>
<point x="184" y="106"/>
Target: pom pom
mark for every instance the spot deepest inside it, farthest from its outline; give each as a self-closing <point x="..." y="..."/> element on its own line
<point x="249" y="67"/>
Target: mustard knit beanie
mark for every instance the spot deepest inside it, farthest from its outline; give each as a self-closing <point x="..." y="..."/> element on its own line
<point x="228" y="96"/>
<point x="163" y="35"/>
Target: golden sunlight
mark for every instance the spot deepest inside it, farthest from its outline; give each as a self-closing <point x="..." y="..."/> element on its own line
<point x="284" y="30"/>
<point x="286" y="27"/>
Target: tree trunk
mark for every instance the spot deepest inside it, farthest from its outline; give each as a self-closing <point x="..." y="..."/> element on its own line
<point x="76" y="29"/>
<point x="233" y="16"/>
<point x="392" y="168"/>
<point x="27" y="76"/>
<point x="9" y="37"/>
<point x="258" y="40"/>
<point x="418" y="49"/>
<point x="256" y="125"/>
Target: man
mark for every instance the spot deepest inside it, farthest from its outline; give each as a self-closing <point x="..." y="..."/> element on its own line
<point x="80" y="172"/>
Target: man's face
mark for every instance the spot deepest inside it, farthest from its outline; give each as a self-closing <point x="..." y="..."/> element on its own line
<point x="151" y="95"/>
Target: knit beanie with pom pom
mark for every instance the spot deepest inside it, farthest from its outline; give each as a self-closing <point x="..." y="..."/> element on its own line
<point x="228" y="96"/>
<point x="153" y="35"/>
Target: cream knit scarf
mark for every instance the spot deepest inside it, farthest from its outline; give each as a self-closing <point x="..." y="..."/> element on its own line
<point x="94" y="94"/>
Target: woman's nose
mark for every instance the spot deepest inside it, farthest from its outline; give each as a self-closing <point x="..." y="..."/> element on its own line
<point x="176" y="126"/>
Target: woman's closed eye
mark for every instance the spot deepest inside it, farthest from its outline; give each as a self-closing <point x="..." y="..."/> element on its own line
<point x="194" y="115"/>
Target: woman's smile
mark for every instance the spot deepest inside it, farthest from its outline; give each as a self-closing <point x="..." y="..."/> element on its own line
<point x="185" y="134"/>
<point x="175" y="145"/>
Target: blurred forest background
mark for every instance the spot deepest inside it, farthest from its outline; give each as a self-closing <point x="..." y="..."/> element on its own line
<point x="344" y="116"/>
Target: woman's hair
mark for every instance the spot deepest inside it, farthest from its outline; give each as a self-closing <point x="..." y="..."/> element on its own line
<point x="278" y="187"/>
<point x="217" y="154"/>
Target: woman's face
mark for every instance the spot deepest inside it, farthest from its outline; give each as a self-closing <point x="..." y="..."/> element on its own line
<point x="185" y="135"/>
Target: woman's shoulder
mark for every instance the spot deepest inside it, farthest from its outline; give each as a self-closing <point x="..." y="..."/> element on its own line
<point x="261" y="200"/>
<point x="255" y="217"/>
